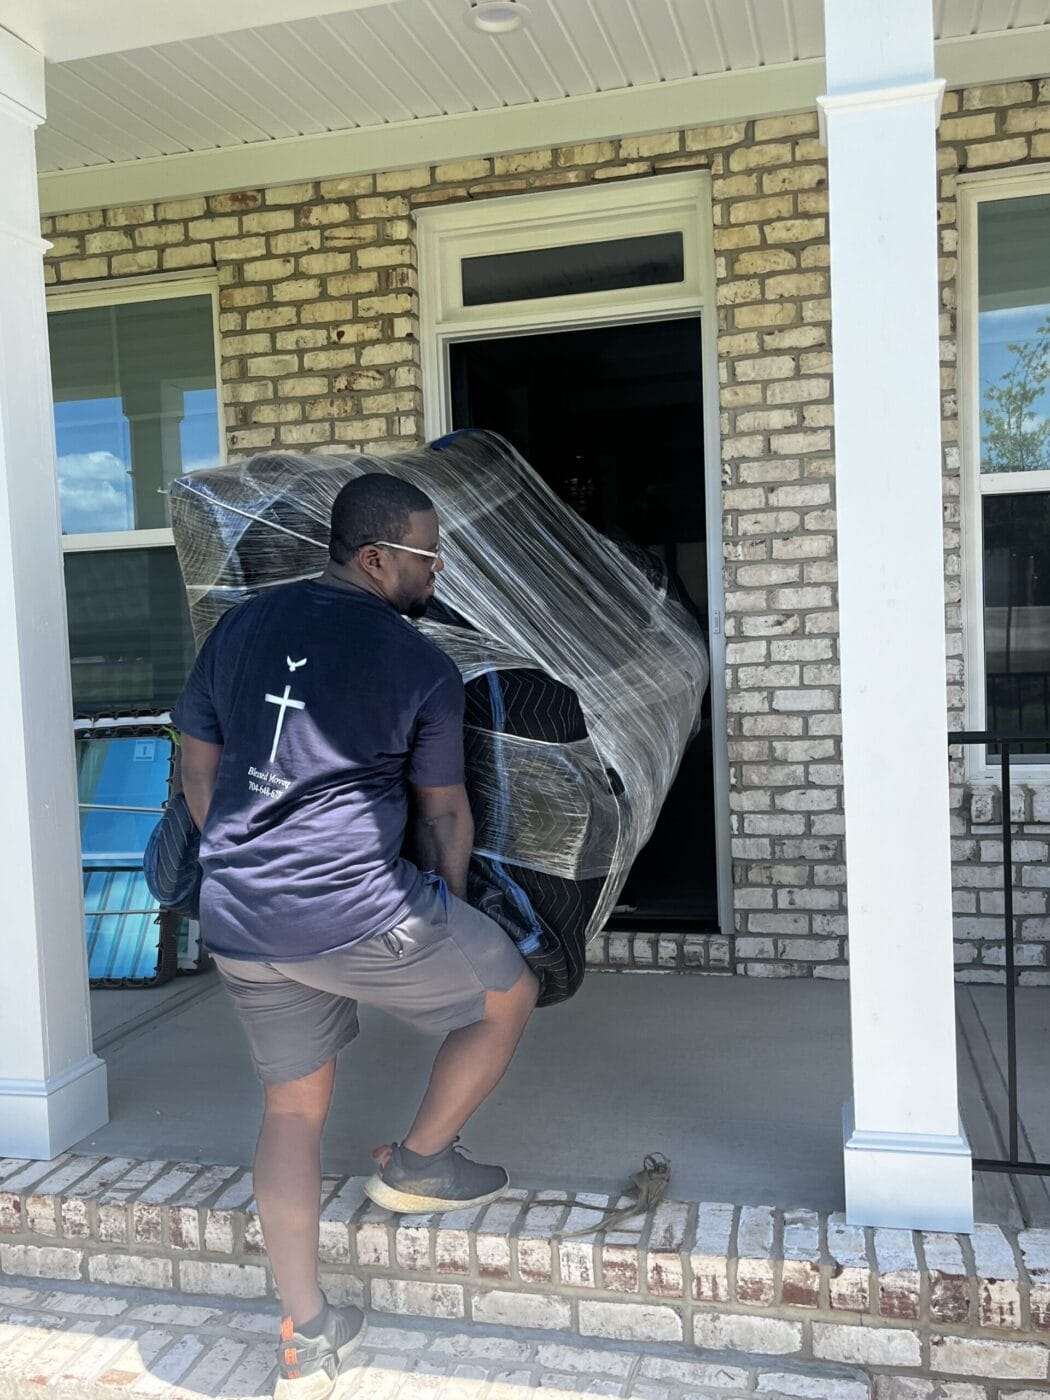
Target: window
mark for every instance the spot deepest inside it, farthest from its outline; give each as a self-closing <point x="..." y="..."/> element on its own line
<point x="136" y="404"/>
<point x="653" y="260"/>
<point x="1006" y="226"/>
<point x="604" y="251"/>
<point x="130" y="643"/>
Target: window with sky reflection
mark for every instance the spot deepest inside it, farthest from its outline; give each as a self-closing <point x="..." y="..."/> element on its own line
<point x="135" y="406"/>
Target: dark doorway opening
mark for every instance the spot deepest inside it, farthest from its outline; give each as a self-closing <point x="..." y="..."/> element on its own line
<point x="612" y="419"/>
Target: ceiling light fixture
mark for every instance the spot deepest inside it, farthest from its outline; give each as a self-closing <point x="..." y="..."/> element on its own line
<point x="498" y="16"/>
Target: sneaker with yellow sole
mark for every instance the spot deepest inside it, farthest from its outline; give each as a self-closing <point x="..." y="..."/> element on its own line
<point x="412" y="1185"/>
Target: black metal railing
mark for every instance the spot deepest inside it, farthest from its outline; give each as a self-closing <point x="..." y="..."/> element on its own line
<point x="1005" y="742"/>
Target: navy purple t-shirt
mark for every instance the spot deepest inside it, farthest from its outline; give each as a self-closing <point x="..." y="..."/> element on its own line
<point x="328" y="704"/>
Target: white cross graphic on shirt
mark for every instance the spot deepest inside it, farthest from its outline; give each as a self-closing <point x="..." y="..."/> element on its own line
<point x="286" y="703"/>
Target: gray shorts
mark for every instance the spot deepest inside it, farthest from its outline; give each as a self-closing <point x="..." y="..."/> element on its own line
<point x="433" y="970"/>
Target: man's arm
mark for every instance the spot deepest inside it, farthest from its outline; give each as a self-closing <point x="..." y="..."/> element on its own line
<point x="444" y="832"/>
<point x="200" y="767"/>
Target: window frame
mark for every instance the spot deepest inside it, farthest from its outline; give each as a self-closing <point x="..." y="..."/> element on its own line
<point x="122" y="292"/>
<point x="973" y="191"/>
<point x="548" y="219"/>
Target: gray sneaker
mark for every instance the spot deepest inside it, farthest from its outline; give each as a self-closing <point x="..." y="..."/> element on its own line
<point x="409" y="1184"/>
<point x="308" y="1367"/>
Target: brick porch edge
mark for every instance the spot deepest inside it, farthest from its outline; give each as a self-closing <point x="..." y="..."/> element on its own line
<point x="731" y="1278"/>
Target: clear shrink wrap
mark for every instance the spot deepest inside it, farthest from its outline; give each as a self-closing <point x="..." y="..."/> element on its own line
<point x="584" y="674"/>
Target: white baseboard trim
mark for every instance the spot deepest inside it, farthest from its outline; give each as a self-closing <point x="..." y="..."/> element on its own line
<point x="907" y="1181"/>
<point x="39" y="1118"/>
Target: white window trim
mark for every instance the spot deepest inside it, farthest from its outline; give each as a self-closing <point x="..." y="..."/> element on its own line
<point x="973" y="191"/>
<point x="553" y="218"/>
<point x="121" y="292"/>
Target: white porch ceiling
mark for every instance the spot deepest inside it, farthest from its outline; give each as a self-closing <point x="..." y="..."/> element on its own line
<point x="370" y="64"/>
<point x="65" y="29"/>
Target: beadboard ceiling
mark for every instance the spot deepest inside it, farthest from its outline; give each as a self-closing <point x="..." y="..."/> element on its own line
<point x="383" y="62"/>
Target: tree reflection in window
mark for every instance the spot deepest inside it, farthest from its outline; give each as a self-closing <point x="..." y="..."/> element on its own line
<point x="1016" y="435"/>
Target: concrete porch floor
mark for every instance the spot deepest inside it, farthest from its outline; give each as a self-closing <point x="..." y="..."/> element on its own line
<point x="740" y="1082"/>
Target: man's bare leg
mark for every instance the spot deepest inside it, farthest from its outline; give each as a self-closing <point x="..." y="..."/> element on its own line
<point x="469" y="1065"/>
<point x="288" y="1187"/>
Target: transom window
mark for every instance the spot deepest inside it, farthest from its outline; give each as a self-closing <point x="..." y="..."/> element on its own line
<point x="564" y="255"/>
<point x="653" y="260"/>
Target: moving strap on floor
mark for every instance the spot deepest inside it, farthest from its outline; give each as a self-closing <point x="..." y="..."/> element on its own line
<point x="650" y="1184"/>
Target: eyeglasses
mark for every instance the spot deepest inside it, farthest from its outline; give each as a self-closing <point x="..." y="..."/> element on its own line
<point x="407" y="548"/>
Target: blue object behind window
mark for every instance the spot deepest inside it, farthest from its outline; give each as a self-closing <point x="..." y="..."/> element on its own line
<point x="123" y="784"/>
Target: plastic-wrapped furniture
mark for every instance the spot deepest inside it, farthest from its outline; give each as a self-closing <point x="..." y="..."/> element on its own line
<point x="584" y="676"/>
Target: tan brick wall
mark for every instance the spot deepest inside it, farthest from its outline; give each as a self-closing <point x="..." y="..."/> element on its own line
<point x="317" y="295"/>
<point x="319" y="344"/>
<point x="771" y="244"/>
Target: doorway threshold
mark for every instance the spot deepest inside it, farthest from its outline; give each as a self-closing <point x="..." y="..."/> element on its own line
<point x="679" y="944"/>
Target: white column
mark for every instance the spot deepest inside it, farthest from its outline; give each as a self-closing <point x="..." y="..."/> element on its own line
<point x="907" y="1162"/>
<point x="52" y="1088"/>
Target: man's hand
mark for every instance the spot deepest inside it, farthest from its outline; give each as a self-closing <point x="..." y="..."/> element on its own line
<point x="200" y="767"/>
<point x="444" y="831"/>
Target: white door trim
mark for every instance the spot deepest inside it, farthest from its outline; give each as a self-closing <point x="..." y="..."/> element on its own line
<point x="593" y="214"/>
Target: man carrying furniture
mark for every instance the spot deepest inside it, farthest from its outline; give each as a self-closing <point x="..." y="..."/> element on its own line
<point x="317" y="722"/>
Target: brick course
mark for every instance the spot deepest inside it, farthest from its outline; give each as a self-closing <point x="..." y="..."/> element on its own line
<point x="318" y="291"/>
<point x="49" y="1346"/>
<point x="775" y="1283"/>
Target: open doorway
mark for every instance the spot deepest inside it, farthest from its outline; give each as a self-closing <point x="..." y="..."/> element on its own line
<point x="612" y="419"/>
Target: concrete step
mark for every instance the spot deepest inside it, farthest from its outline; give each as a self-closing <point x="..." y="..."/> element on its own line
<point x="82" y="1342"/>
